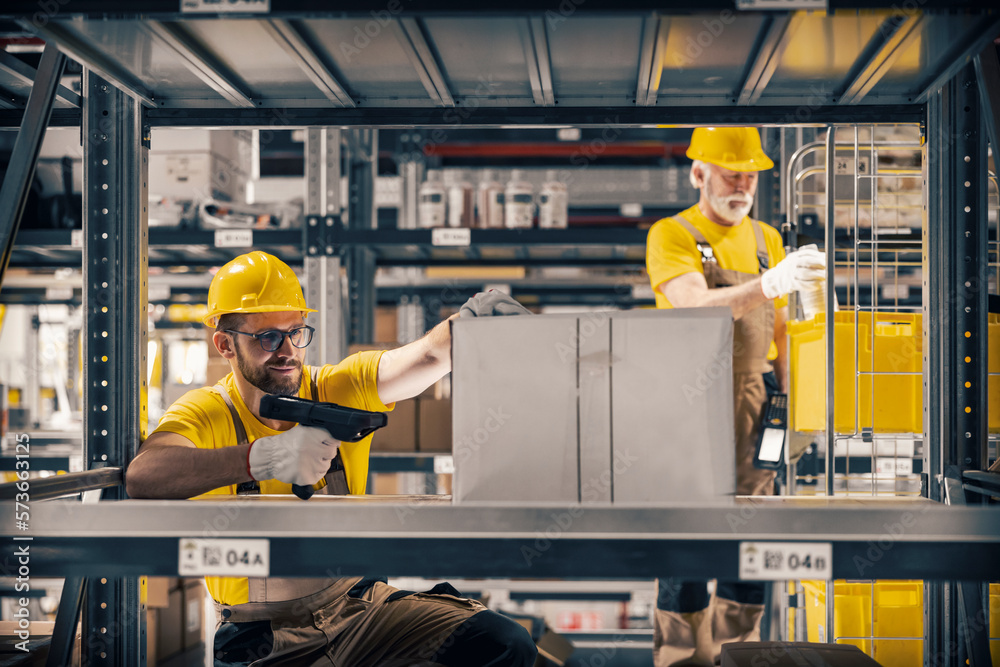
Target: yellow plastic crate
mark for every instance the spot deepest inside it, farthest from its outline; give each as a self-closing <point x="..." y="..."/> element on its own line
<point x="864" y="612"/>
<point x="896" y="348"/>
<point x="995" y="623"/>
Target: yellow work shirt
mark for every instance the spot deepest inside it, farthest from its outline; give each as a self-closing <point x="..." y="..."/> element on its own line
<point x="203" y="417"/>
<point x="671" y="251"/>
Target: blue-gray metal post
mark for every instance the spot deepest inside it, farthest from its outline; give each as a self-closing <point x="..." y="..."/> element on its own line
<point x="115" y="260"/>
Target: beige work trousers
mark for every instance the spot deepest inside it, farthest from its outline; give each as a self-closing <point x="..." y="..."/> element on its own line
<point x="331" y="629"/>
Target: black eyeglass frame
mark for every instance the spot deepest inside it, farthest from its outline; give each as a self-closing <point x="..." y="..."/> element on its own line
<point x="284" y="334"/>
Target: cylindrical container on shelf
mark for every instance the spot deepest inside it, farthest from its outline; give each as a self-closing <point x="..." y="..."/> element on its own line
<point x="518" y="202"/>
<point x="489" y="202"/>
<point x="813" y="300"/>
<point x="432" y="203"/>
<point x="461" y="202"/>
<point x="553" y="203"/>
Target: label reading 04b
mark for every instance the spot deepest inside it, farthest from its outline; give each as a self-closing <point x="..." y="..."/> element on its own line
<point x="460" y="236"/>
<point x="233" y="238"/>
<point x="777" y="561"/>
<point x="231" y="558"/>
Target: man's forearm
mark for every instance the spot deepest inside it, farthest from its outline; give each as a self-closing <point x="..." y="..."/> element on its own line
<point x="741" y="299"/>
<point x="407" y="371"/>
<point x="182" y="472"/>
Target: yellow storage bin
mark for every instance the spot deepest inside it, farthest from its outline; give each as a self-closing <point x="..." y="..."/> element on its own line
<point x="864" y="612"/>
<point x="995" y="623"/>
<point x="897" y="347"/>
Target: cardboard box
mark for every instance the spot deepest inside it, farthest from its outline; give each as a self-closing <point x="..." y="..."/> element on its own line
<point x="400" y="434"/>
<point x="169" y="626"/>
<point x="216" y="369"/>
<point x="385" y="484"/>
<point x="194" y="613"/>
<point x="152" y="623"/>
<point x="195" y="176"/>
<point x="434" y="422"/>
<point x="386" y="323"/>
<point x="158" y="590"/>
<point x="659" y="428"/>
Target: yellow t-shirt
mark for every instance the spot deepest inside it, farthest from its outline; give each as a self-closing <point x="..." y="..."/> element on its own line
<point x="202" y="417"/>
<point x="671" y="251"/>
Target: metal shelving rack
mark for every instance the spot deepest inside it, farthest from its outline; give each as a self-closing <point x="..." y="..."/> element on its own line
<point x="196" y="70"/>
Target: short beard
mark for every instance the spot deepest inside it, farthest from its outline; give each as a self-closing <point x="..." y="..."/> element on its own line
<point x="260" y="378"/>
<point x="721" y="204"/>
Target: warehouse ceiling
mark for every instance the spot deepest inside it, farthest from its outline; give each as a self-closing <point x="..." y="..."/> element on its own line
<point x="557" y="60"/>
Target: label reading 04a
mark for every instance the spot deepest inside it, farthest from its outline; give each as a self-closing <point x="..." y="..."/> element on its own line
<point x="461" y="236"/>
<point x="777" y="561"/>
<point x="216" y="557"/>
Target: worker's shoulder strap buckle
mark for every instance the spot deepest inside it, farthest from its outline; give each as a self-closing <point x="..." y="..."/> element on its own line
<point x="707" y="254"/>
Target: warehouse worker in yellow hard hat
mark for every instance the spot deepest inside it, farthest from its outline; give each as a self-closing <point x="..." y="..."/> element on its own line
<point x="213" y="441"/>
<point x="714" y="254"/>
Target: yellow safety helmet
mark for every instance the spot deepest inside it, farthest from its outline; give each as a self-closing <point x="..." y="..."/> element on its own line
<point x="735" y="148"/>
<point x="254" y="283"/>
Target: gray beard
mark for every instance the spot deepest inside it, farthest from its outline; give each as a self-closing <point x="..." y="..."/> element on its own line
<point x="267" y="383"/>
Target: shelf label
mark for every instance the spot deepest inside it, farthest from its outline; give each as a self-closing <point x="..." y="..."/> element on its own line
<point x="891" y="467"/>
<point x="231" y="558"/>
<point x="460" y="236"/>
<point x="631" y="210"/>
<point x="58" y="293"/>
<point x="233" y="238"/>
<point x="844" y="166"/>
<point x="785" y="5"/>
<point x="76" y="238"/>
<point x="777" y="561"/>
<point x="158" y="293"/>
<point x="225" y="6"/>
<point x="444" y="465"/>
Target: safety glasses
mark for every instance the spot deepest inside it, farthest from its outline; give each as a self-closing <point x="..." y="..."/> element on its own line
<point x="272" y="339"/>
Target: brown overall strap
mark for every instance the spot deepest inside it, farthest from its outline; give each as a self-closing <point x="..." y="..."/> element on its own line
<point x="251" y="488"/>
<point x="763" y="260"/>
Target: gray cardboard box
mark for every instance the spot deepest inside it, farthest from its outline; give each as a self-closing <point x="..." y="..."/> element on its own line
<point x="628" y="407"/>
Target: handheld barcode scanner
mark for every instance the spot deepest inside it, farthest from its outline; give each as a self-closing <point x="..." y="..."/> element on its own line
<point x="770" y="454"/>
<point x="344" y="424"/>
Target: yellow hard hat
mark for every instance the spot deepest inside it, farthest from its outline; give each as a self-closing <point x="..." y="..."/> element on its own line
<point x="254" y="283"/>
<point x="736" y="148"/>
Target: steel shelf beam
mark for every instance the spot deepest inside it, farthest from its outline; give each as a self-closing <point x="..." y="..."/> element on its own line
<point x="487" y="116"/>
<point x="24" y="156"/>
<point x="92" y="58"/>
<point x="17" y="68"/>
<point x="890" y="41"/>
<point x="423" y="536"/>
<point x="776" y="32"/>
<point x="200" y="62"/>
<point x="966" y="47"/>
<point x="168" y="9"/>
<point x="535" y="42"/>
<point x="654" y="44"/>
<point x="411" y="39"/>
<point x="290" y="36"/>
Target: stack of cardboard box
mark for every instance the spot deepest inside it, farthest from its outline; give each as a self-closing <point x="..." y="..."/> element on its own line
<point x="175" y="618"/>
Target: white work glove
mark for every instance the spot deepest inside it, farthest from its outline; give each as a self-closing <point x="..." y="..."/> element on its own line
<point x="301" y="455"/>
<point x="492" y="303"/>
<point x="795" y="272"/>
